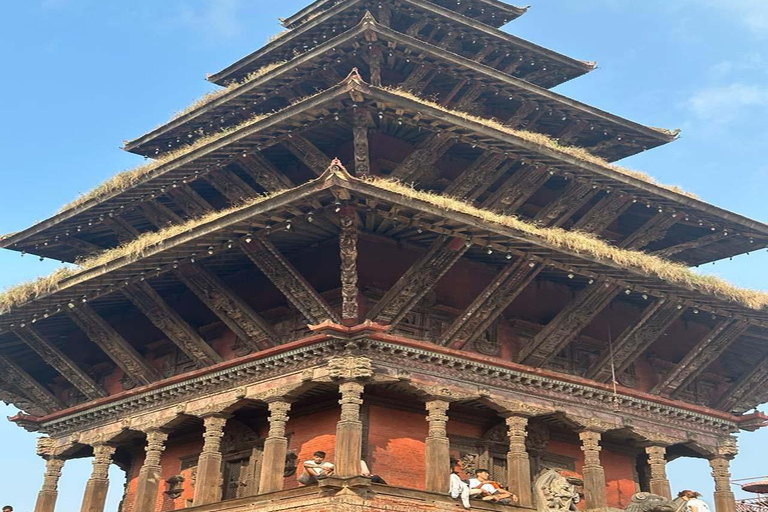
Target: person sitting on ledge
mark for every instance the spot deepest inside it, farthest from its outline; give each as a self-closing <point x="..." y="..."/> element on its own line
<point x="458" y="488"/>
<point x="365" y="472"/>
<point x="315" y="469"/>
<point x="490" y="490"/>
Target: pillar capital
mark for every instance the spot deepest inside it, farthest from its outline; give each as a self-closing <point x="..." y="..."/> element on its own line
<point x="437" y="416"/>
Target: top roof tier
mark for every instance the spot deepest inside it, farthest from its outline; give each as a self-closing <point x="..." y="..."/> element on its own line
<point x="424" y="20"/>
<point x="490" y="12"/>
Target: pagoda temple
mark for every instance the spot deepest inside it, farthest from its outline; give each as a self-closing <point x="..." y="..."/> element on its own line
<point x="385" y="238"/>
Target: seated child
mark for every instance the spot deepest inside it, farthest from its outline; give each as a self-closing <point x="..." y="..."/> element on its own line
<point x="315" y="469"/>
<point x="488" y="489"/>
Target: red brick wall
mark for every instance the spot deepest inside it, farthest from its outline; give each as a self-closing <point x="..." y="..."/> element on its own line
<point x="396" y="446"/>
<point x="311" y="433"/>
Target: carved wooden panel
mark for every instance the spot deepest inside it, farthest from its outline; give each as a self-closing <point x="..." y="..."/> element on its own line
<point x="189" y="201"/>
<point x="158" y="214"/>
<point x="248" y="326"/>
<point x="654" y="229"/>
<point x="573" y="197"/>
<point x="229" y="184"/>
<point x="288" y="280"/>
<point x="562" y="329"/>
<point x="113" y="344"/>
<point x="491" y="303"/>
<point x="635" y="339"/>
<point x="476" y="178"/>
<point x="514" y="192"/>
<point x="171" y="324"/>
<point x="61" y="363"/>
<point x="418" y="280"/>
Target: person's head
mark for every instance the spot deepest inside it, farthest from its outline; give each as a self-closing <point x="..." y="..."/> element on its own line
<point x="7" y="508"/>
<point x="456" y="464"/>
<point x="482" y="474"/>
<point x="318" y="457"/>
<point x="688" y="494"/>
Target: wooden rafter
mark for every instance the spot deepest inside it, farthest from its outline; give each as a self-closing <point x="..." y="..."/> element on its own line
<point x="38" y="394"/>
<point x="419" y="78"/>
<point x="59" y="361"/>
<point x="654" y="229"/>
<point x="123" y="230"/>
<point x="491" y="303"/>
<point x="83" y="246"/>
<point x="426" y="153"/>
<point x="469" y="98"/>
<point x="696" y="360"/>
<point x="170" y="323"/>
<point x="158" y="214"/>
<point x="113" y="344"/>
<point x="236" y="314"/>
<point x="602" y="214"/>
<point x="230" y="185"/>
<point x="635" y="339"/>
<point x="567" y="324"/>
<point x="418" y="280"/>
<point x="264" y="173"/>
<point x="288" y="280"/>
<point x="189" y="201"/>
<point x="526" y="108"/>
<point x="477" y="177"/>
<point x="693" y="244"/>
<point x="518" y="188"/>
<point x="574" y="196"/>
<point x="745" y="385"/>
<point x="309" y="154"/>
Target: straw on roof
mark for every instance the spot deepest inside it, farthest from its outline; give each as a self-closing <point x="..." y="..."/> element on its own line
<point x="542" y="140"/>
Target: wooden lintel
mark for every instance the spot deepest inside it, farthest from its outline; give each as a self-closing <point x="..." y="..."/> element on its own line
<point x="248" y="326"/>
<point x="424" y="154"/>
<point x="567" y="324"/>
<point x="309" y="154"/>
<point x="602" y="214"/>
<point x="418" y="280"/>
<point x="113" y="344"/>
<point x="491" y="303"/>
<point x="656" y="318"/>
<point x="34" y="390"/>
<point x="264" y="173"/>
<point x="59" y="361"/>
<point x="288" y="280"/>
<point x="170" y="323"/>
<point x="189" y="201"/>
<point x="697" y="359"/>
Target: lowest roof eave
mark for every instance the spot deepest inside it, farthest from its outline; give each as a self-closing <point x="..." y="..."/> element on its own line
<point x="225" y="75"/>
<point x="368" y="23"/>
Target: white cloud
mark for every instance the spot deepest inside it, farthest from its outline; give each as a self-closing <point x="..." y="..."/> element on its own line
<point x="722" y="103"/>
<point x="214" y="17"/>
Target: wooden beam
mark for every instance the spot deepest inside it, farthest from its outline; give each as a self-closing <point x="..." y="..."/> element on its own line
<point x="418" y="280"/>
<point x="526" y="108"/>
<point x="654" y="229"/>
<point x="693" y="244"/>
<point x="426" y="153"/>
<point x="264" y="173"/>
<point x="289" y="281"/>
<point x="124" y="231"/>
<point x="229" y="184"/>
<point x="360" y="126"/>
<point x="478" y="176"/>
<point x="567" y="324"/>
<point x="170" y="323"/>
<point x="419" y="78"/>
<point x="417" y="26"/>
<point x="602" y="214"/>
<point x="698" y="359"/>
<point x="56" y="359"/>
<point x="518" y="188"/>
<point x="248" y="326"/>
<point x="158" y="214"/>
<point x="189" y="201"/>
<point x="574" y="196"/>
<point x="491" y="303"/>
<point x="12" y="394"/>
<point x="309" y="154"/>
<point x="749" y="383"/>
<point x="635" y="339"/>
<point x="348" y="254"/>
<point x="468" y="100"/>
<point x="83" y="246"/>
<point x="38" y="394"/>
<point x="114" y="345"/>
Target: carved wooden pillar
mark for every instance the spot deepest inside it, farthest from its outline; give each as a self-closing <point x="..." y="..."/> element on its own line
<point x="208" y="484"/>
<point x="657" y="464"/>
<point x="518" y="462"/>
<point x="437" y="447"/>
<point x="349" y="429"/>
<point x="348" y="253"/>
<point x="721" y="472"/>
<point x="98" y="484"/>
<point x="275" y="447"/>
<point x="593" y="472"/>
<point x="149" y="474"/>
<point x="46" y="498"/>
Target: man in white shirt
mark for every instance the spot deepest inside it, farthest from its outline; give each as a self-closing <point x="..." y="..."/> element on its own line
<point x="315" y="469"/>
<point x="490" y="490"/>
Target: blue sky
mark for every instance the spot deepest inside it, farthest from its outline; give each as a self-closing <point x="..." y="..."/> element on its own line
<point x="80" y="76"/>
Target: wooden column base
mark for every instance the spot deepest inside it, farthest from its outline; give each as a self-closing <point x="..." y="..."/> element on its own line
<point x="146" y="489"/>
<point x="207" y="487"/>
<point x="95" y="495"/>
<point x="273" y="464"/>
<point x="46" y="501"/>
<point x="349" y="445"/>
<point x="594" y="487"/>
<point x="438" y="462"/>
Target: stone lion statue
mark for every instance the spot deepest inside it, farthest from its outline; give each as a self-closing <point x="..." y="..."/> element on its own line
<point x="555" y="493"/>
<point x="648" y="502"/>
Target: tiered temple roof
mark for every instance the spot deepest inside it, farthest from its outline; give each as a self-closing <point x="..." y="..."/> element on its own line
<point x="252" y="186"/>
